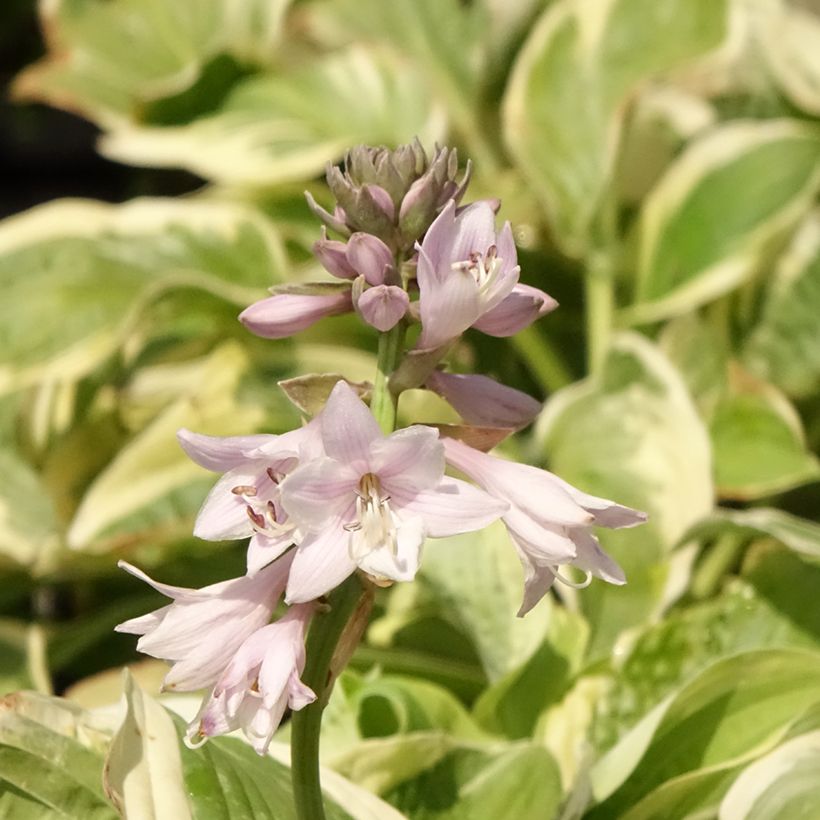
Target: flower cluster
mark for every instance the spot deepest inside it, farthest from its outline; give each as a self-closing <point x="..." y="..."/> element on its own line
<point x="339" y="496"/>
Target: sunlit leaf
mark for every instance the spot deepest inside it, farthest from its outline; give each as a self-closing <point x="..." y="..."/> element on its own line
<point x="784" y="346"/>
<point x="705" y="226"/>
<point x="564" y="105"/>
<point x="76" y="275"/>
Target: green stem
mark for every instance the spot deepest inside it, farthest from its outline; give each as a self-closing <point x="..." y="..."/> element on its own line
<point x="325" y="631"/>
<point x="600" y="303"/>
<point x="716" y="562"/>
<point x="383" y="403"/>
<point x="542" y="359"/>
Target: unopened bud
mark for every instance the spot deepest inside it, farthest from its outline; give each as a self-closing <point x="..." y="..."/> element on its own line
<point x="332" y="254"/>
<point x="369" y="256"/>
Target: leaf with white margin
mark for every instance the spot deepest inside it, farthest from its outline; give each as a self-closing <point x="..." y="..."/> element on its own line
<point x="565" y="101"/>
<point x="76" y="275"/>
<point x="784" y="346"/>
<point x="143" y="769"/>
<point x="107" y="60"/>
<point x="152" y="466"/>
<point x="275" y="128"/>
<point x="478" y="579"/>
<point x="718" y="208"/>
<point x="51" y="758"/>
<point x="798" y="534"/>
<point x="783" y="785"/>
<point x="736" y="709"/>
<point x="631" y="434"/>
<point x="758" y="443"/>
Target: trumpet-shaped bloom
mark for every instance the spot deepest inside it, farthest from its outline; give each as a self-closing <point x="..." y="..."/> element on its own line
<point x="246" y="500"/>
<point x="202" y="629"/>
<point x="260" y="682"/>
<point x="549" y="520"/>
<point x="371" y="500"/>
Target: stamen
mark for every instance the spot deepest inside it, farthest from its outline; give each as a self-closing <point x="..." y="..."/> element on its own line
<point x="244" y="489"/>
<point x="256" y="519"/>
<point x="272" y="475"/>
<point x="574" y="584"/>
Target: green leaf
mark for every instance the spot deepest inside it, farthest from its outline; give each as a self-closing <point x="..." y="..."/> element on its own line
<point x="784" y="346"/>
<point x="566" y="98"/>
<point x="107" y="60"/>
<point x="798" y="534"/>
<point x="779" y="786"/>
<point x="76" y="276"/>
<point x="151" y="468"/>
<point x="276" y="128"/>
<point x="50" y="760"/>
<point x="478" y="579"/>
<point x="706" y="225"/>
<point x="758" y="442"/>
<point x="735" y="710"/>
<point x="632" y="435"/>
<point x="14" y="673"/>
<point x="522" y="781"/>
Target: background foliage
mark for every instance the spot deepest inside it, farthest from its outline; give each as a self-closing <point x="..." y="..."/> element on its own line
<point x="659" y="161"/>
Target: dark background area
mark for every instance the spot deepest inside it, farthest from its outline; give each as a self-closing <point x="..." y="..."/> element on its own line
<point x="45" y="153"/>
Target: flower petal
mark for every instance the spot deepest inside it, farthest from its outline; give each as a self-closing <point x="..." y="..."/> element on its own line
<point x="223" y="515"/>
<point x="220" y="453"/>
<point x="317" y="492"/>
<point x="284" y="314"/>
<point x="348" y="427"/>
<point x="517" y="310"/>
<point x="607" y="513"/>
<point x="448" y="308"/>
<point x="537" y="580"/>
<point x="546" y="545"/>
<point x="438" y="243"/>
<point x="474" y="231"/>
<point x="262" y="549"/>
<point x="383" y="306"/>
<point x="322" y="561"/>
<point x="451" y="508"/>
<point x="409" y="460"/>
<point x="592" y="558"/>
<point x="383" y="564"/>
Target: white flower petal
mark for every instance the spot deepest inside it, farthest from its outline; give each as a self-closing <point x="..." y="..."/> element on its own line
<point x="592" y="558"/>
<point x="321" y="562"/>
<point x="220" y="453"/>
<point x="317" y="492"/>
<point x="409" y="460"/>
<point x="348" y="427"/>
<point x="404" y="564"/>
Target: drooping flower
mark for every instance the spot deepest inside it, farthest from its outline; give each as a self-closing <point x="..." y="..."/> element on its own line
<point x="246" y="500"/>
<point x="483" y="401"/>
<point x="548" y="520"/>
<point x="260" y="682"/>
<point x="371" y="499"/>
<point x="517" y="310"/>
<point x="202" y="629"/>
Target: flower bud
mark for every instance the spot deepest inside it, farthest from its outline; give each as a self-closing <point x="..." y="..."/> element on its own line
<point x="369" y="256"/>
<point x="383" y="306"/>
<point x="332" y="255"/>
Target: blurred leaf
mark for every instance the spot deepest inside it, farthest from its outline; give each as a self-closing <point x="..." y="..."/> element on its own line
<point x="522" y="781"/>
<point x="152" y="466"/>
<point x="779" y="786"/>
<point x="77" y="275"/>
<point x="276" y="128"/>
<point x="632" y="435"/>
<point x="705" y="226"/>
<point x="566" y="98"/>
<point x="479" y="581"/>
<point x="758" y="442"/>
<point x="14" y="672"/>
<point x="143" y="769"/>
<point x="50" y="761"/>
<point x="443" y="38"/>
<point x="107" y="60"/>
<point x="512" y="705"/>
<point x="784" y="347"/>
<point x="790" y="40"/>
<point x="737" y="709"/>
<point x="28" y="525"/>
<point x="798" y="534"/>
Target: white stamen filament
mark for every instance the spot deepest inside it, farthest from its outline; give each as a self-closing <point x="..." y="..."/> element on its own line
<point x="373" y="527"/>
<point x="266" y="523"/>
<point x="574" y="584"/>
<point x="484" y="268"/>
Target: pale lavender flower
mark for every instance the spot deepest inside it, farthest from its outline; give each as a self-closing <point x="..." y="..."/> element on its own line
<point x="202" y="629"/>
<point x="383" y="306"/>
<point x="549" y="520"/>
<point x="369" y="257"/>
<point x="482" y="401"/>
<point x="371" y="499"/>
<point x="517" y="310"/>
<point x="284" y="314"/>
<point x="260" y="682"/>
<point x="245" y="502"/>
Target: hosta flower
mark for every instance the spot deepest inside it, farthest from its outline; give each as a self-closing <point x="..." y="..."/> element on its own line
<point x="371" y="499"/>
<point x="549" y="520"/>
<point x="467" y="271"/>
<point x="283" y="314"/>
<point x="202" y="629"/>
<point x="246" y="500"/>
<point x="260" y="682"/>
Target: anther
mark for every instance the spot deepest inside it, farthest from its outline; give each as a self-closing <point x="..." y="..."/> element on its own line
<point x="244" y="489"/>
<point x="256" y="519"/>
